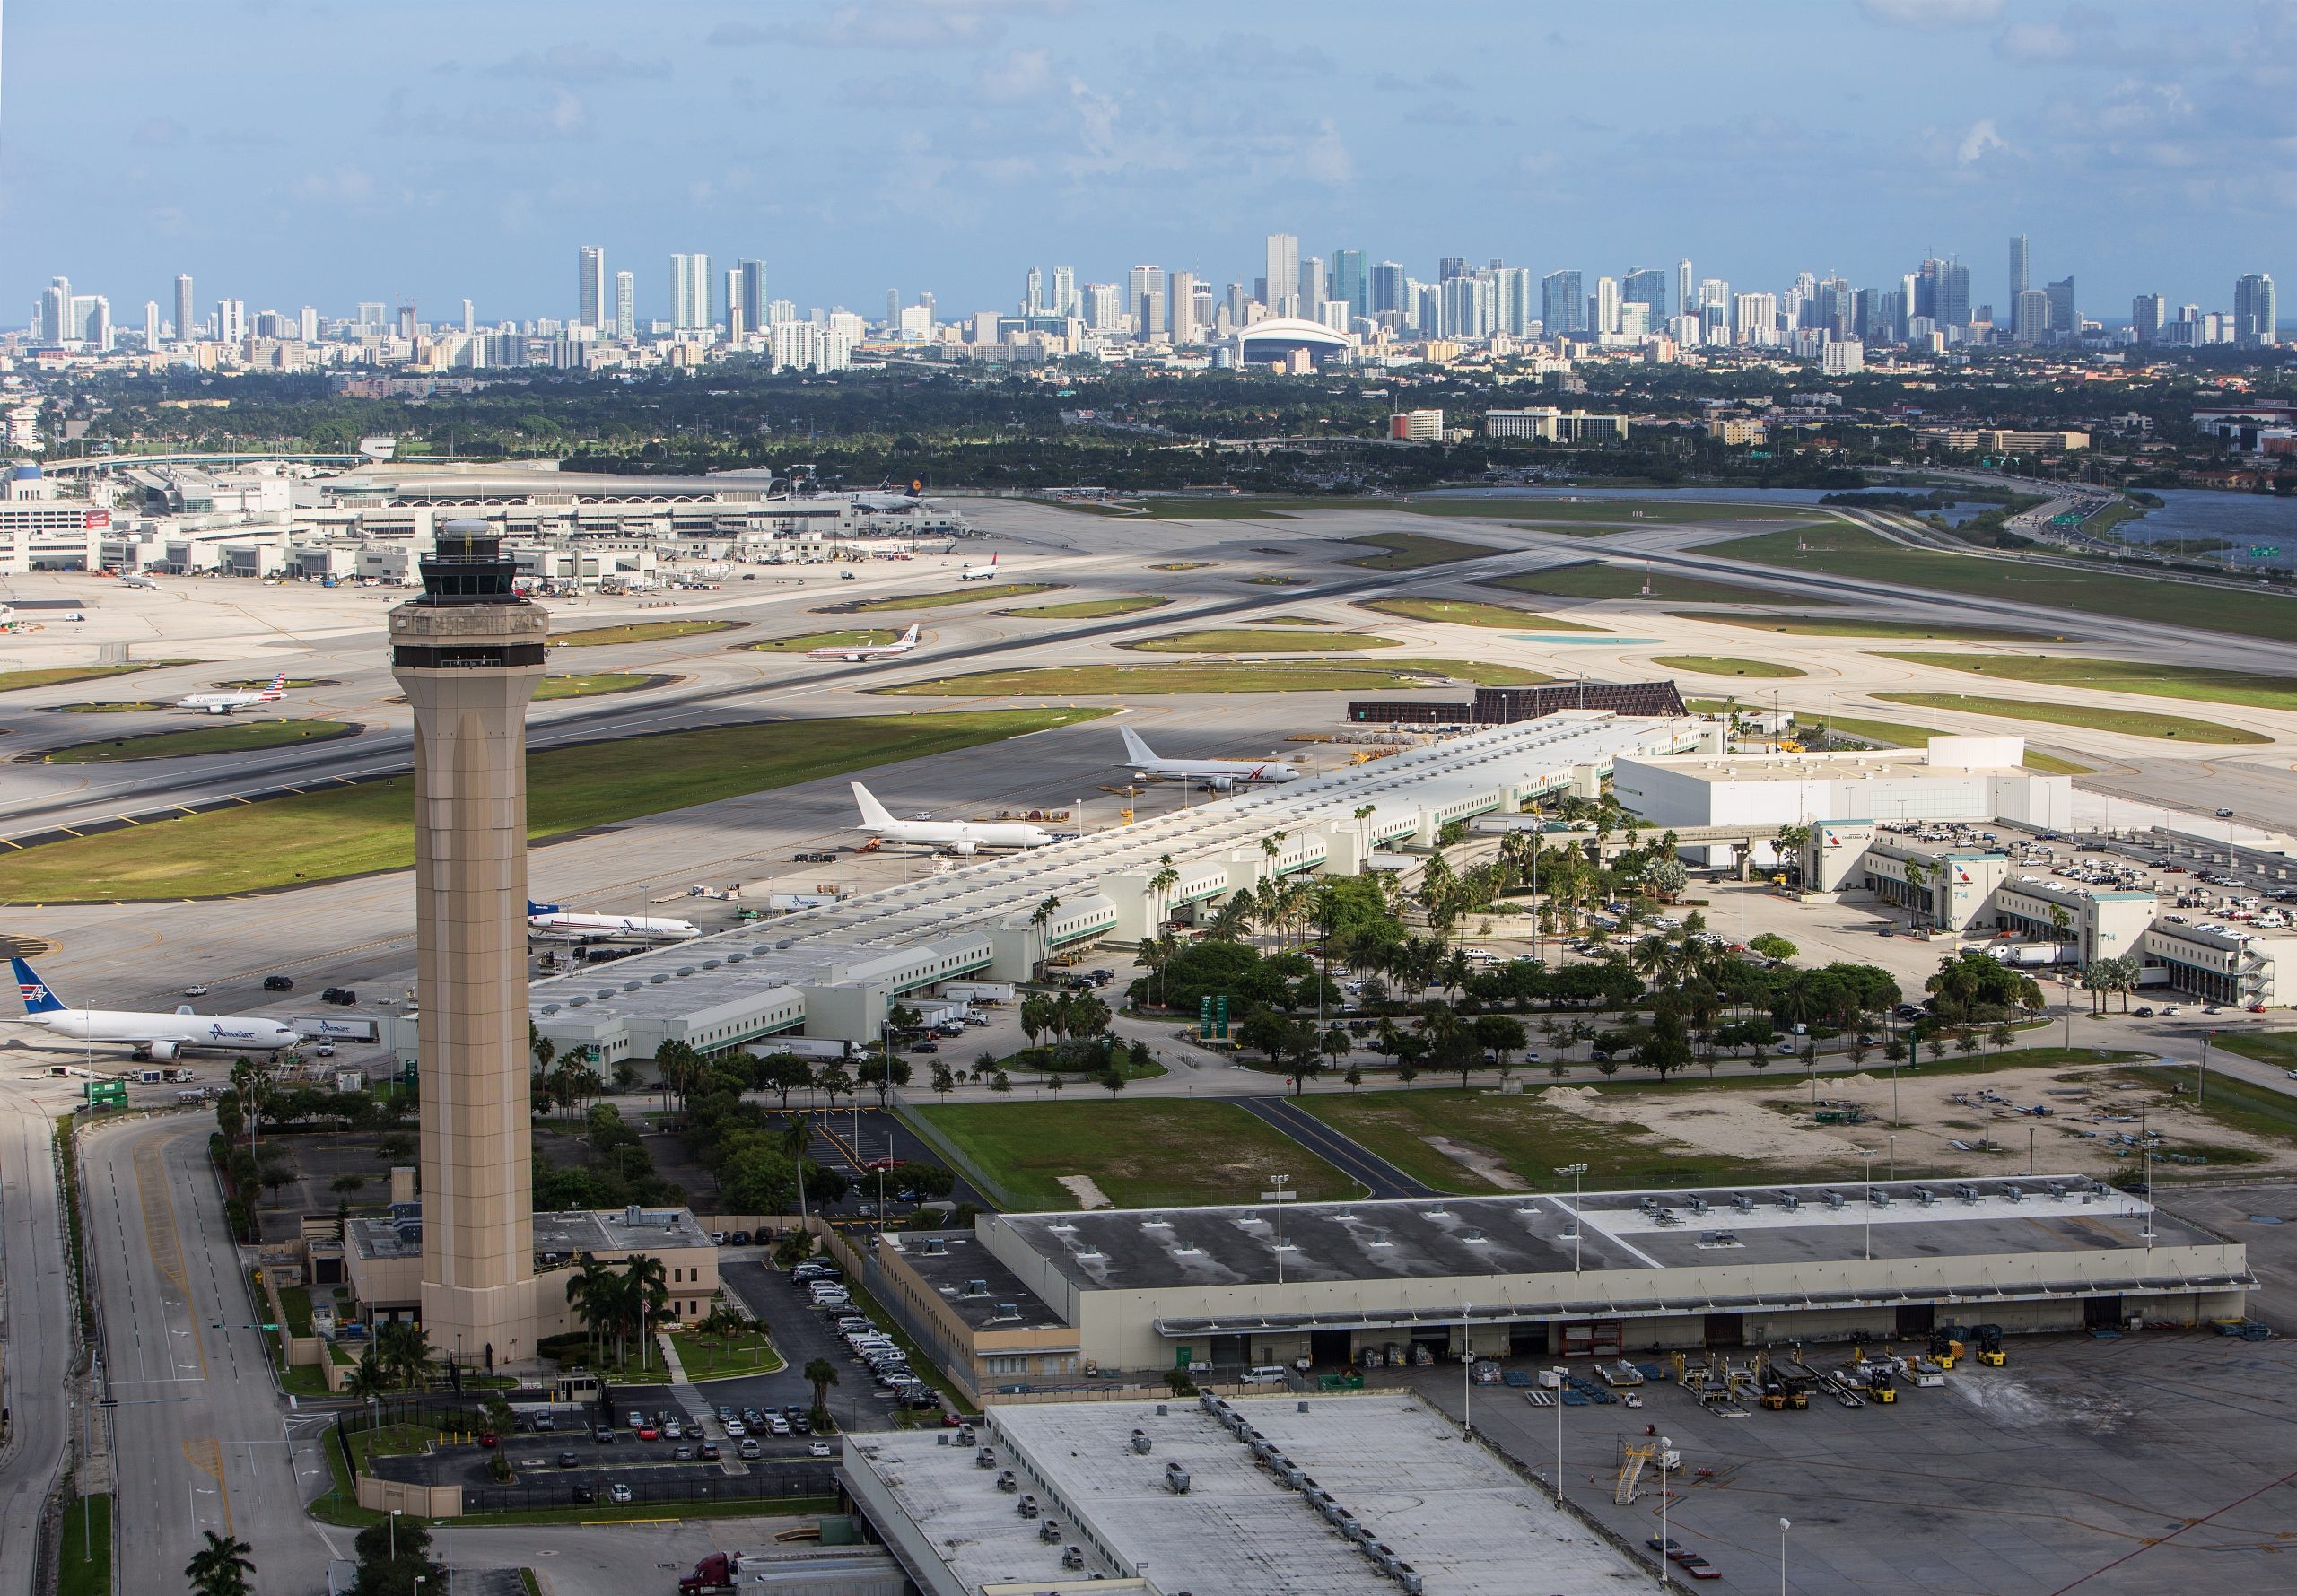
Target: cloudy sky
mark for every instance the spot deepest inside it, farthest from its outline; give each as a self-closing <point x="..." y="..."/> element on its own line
<point x="287" y="152"/>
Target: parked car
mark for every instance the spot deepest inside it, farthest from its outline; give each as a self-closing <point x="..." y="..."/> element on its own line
<point x="603" y="1434"/>
<point x="567" y="1460"/>
<point x="819" y="1449"/>
<point x="751" y="1450"/>
<point x="619" y="1493"/>
<point x="278" y="983"/>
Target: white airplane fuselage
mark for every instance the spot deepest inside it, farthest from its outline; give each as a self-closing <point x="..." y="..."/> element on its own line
<point x="612" y="925"/>
<point x="165" y="1035"/>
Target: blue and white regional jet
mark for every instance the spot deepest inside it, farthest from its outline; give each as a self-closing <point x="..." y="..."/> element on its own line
<point x="152" y="1035"/>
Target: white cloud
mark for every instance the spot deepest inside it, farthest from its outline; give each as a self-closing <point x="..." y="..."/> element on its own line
<point x="1325" y="158"/>
<point x="1018" y="74"/>
<point x="1982" y="137"/>
<point x="2031" y="43"/>
<point x="1932" y="13"/>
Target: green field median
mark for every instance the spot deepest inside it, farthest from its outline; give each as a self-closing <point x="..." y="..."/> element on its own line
<point x="1596" y="579"/>
<point x="352" y="831"/>
<point x="857" y="637"/>
<point x="1289" y="675"/>
<point x="1411" y="551"/>
<point x="231" y="736"/>
<point x="639" y="631"/>
<point x="1724" y="665"/>
<point x="597" y="685"/>
<point x="1087" y="609"/>
<point x="1471" y="612"/>
<point x="1863" y="626"/>
<point x="2131" y="723"/>
<point x="963" y="593"/>
<point x="57" y="676"/>
<point x="1246" y="640"/>
<point x="2194" y="682"/>
<point x="1160" y="1153"/>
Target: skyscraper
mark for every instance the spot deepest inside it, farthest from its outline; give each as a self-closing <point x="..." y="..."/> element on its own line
<point x="1451" y="266"/>
<point x="1348" y="281"/>
<point x="470" y="318"/>
<point x="755" y="298"/>
<point x="1033" y="293"/>
<point x="1606" y="305"/>
<point x="1064" y="291"/>
<point x="1312" y="288"/>
<point x="591" y="285"/>
<point x="2018" y="278"/>
<point x="1646" y="286"/>
<point x="1182" y="319"/>
<point x="55" y="310"/>
<point x="2147" y="311"/>
<point x="307" y="321"/>
<point x="1952" y="307"/>
<point x="467" y="654"/>
<point x="1283" y="274"/>
<point x="1683" y="289"/>
<point x="1563" y="308"/>
<point x="1144" y="289"/>
<point x="231" y="320"/>
<point x="1387" y="288"/>
<point x="625" y="304"/>
<point x="183" y="307"/>
<point x="152" y="325"/>
<point x="689" y="293"/>
<point x="2065" y="318"/>
<point x="2030" y="317"/>
<point x="2256" y="310"/>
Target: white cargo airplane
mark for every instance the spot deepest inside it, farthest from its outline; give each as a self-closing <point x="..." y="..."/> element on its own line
<point x="980" y="573"/>
<point x="1221" y="774"/>
<point x="550" y="916"/>
<point x="223" y="703"/>
<point x="866" y="653"/>
<point x="136" y="579"/>
<point x="958" y="836"/>
<point x="152" y="1035"/>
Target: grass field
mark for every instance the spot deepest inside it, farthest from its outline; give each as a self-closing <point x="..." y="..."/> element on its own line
<point x="56" y="676"/>
<point x="2189" y="682"/>
<point x="1185" y="565"/>
<point x="1087" y="609"/>
<point x="129" y="706"/>
<point x="593" y="685"/>
<point x="1289" y="621"/>
<point x="2135" y="723"/>
<point x="350" y="830"/>
<point x="1160" y="1153"/>
<point x="1724" y="665"/>
<point x="969" y="593"/>
<point x="232" y="737"/>
<point x="1628" y="512"/>
<point x="1851" y="551"/>
<point x="1248" y="639"/>
<point x="1918" y="736"/>
<point x="1409" y="551"/>
<point x="1290" y="676"/>
<point x="639" y="631"/>
<point x="1471" y="612"/>
<point x="705" y="1357"/>
<point x="2277" y="1048"/>
<point x="1594" y="579"/>
<point x="1856" y="626"/>
<point x="2236" y="1104"/>
<point x="84" y="1549"/>
<point x="850" y="637"/>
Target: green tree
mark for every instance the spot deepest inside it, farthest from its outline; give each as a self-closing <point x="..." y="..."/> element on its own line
<point x="220" y="1567"/>
<point x="821" y="1374"/>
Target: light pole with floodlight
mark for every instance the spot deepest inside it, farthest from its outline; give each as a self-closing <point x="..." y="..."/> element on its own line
<point x="1784" y="1525"/>
<point x="1575" y="1171"/>
<point x="1665" y="1545"/>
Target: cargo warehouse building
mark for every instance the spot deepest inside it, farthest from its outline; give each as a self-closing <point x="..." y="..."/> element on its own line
<point x="1140" y="1292"/>
<point x="1504" y="706"/>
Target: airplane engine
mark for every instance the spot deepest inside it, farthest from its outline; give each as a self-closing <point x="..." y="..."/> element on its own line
<point x="162" y="1052"/>
<point x="964" y="850"/>
<point x="1221" y="783"/>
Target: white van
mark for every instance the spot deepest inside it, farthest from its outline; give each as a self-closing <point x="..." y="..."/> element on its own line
<point x="1265" y="1375"/>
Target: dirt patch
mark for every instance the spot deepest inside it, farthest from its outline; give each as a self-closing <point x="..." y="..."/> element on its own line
<point x="1086" y="1191"/>
<point x="1480" y="1162"/>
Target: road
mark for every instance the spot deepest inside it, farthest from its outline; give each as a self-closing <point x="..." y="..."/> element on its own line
<point x="1381" y="1179"/>
<point x="35" y="1309"/>
<point x="201" y="1444"/>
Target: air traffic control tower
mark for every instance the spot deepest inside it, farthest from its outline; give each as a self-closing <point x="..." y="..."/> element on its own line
<point x="469" y="653"/>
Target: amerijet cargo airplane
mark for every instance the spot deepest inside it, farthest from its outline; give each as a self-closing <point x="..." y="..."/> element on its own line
<point x="958" y="836"/>
<point x="154" y="1035"/>
<point x="550" y="916"/>
<point x="1218" y="773"/>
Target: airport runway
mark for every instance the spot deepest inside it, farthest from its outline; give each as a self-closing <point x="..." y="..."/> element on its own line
<point x="37" y="1322"/>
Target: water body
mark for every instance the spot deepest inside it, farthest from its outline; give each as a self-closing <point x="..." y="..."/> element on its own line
<point x="2245" y="520"/>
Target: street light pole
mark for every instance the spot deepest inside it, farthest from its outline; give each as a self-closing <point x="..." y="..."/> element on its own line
<point x="1558" y="1444"/>
<point x="1868" y="1155"/>
<point x="1575" y="1171"/>
<point x="1279" y="1181"/>
<point x="1467" y="1373"/>
<point x="1783" y="1527"/>
<point x="1665" y="1546"/>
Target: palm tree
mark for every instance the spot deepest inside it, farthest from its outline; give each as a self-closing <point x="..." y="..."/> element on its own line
<point x="821" y="1374"/>
<point x="796" y="1141"/>
<point x="220" y="1567"/>
<point x="590" y="1293"/>
<point x="1041" y="919"/>
<point x="646" y="1299"/>
<point x="367" y="1381"/>
<point x="405" y="1352"/>
<point x="1918" y="886"/>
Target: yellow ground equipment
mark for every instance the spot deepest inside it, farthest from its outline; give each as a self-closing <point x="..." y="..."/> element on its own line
<point x="1989" y="1346"/>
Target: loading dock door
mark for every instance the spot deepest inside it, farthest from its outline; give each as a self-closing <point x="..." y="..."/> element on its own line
<point x="2101" y="1313"/>
<point x="1916" y="1319"/>
<point x="1726" y="1330"/>
<point x="1330" y="1348"/>
<point x="1594" y="1337"/>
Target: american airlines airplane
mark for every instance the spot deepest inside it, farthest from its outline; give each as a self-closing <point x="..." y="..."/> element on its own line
<point x="223" y="703"/>
<point x="866" y="653"/>
<point x="550" y="916"/>
<point x="1221" y="774"/>
<point x="980" y="573"/>
<point x="152" y="1035"/>
<point x="137" y="579"/>
<point x="958" y="836"/>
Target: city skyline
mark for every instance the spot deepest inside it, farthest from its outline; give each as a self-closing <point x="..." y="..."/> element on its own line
<point x="1186" y="153"/>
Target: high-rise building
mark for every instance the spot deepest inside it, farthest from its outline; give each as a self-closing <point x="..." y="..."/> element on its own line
<point x="1033" y="293"/>
<point x="308" y="324"/>
<point x="754" y="299"/>
<point x="1103" y="306"/>
<point x="1683" y="287"/>
<point x="2018" y="277"/>
<point x="184" y="329"/>
<point x="591" y="285"/>
<point x="1182" y="316"/>
<point x="1451" y="266"/>
<point x="1754" y="318"/>
<point x="407" y="324"/>
<point x="625" y="304"/>
<point x="467" y="654"/>
<point x="1512" y="301"/>
<point x="1606" y="312"/>
<point x="1954" y="304"/>
<point x="470" y="320"/>
<point x="2065" y="318"/>
<point x="1714" y="310"/>
<point x="1387" y="288"/>
<point x="737" y="322"/>
<point x="1283" y="274"/>
<point x="1312" y="288"/>
<point x="1064" y="291"/>
<point x="2147" y="311"/>
<point x="374" y="316"/>
<point x="1563" y="308"/>
<point x="690" y="292"/>
<point x="893" y="309"/>
<point x="1144" y="291"/>
<point x="2256" y="310"/>
<point x="1347" y="281"/>
<point x="55" y="310"/>
<point x="2030" y="317"/>
<point x="152" y="324"/>
<point x="97" y="328"/>
<point x="1647" y="285"/>
<point x="231" y="320"/>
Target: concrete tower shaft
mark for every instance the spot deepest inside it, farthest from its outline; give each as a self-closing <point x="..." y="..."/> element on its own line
<point x="469" y="653"/>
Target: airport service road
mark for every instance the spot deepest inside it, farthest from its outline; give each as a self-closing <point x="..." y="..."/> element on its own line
<point x="36" y="1314"/>
<point x="200" y="1441"/>
<point x="621" y="1559"/>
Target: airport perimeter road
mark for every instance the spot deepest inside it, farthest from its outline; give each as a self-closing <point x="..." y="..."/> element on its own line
<point x="625" y="1560"/>
<point x="1381" y="1179"/>
<point x="199" y="1434"/>
<point x="35" y="1308"/>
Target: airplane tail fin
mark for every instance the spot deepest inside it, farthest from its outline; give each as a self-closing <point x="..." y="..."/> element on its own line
<point x="873" y="813"/>
<point x="534" y="908"/>
<point x="278" y="688"/>
<point x="909" y="638"/>
<point x="1135" y="749"/>
<point x="37" y="998"/>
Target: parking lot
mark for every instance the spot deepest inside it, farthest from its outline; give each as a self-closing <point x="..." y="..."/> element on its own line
<point x="2145" y="1463"/>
